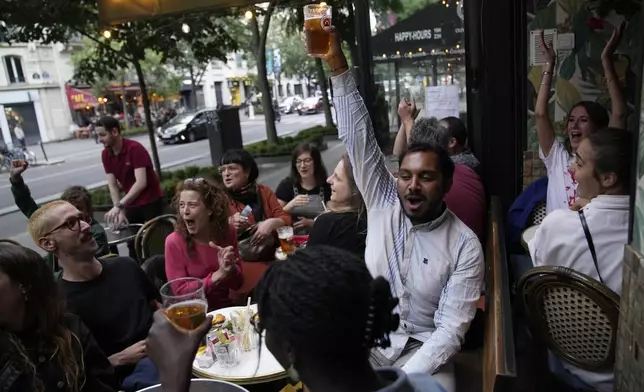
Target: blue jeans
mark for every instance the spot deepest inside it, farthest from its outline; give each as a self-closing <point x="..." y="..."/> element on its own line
<point x="145" y="375"/>
<point x="519" y="265"/>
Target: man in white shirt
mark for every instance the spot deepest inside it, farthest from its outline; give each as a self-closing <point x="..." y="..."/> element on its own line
<point x="432" y="260"/>
<point x="603" y="170"/>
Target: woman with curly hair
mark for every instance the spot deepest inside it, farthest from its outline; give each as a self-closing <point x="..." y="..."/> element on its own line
<point x="41" y="347"/>
<point x="204" y="244"/>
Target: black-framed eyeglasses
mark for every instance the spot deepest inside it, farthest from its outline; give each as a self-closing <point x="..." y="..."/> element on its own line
<point x="73" y="224"/>
<point x="305" y="161"/>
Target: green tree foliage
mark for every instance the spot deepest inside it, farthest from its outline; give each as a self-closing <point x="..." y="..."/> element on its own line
<point x="58" y="20"/>
<point x="295" y="62"/>
<point x="410" y="7"/>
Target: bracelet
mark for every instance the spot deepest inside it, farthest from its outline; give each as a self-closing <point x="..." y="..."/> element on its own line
<point x="547" y="72"/>
<point x="609" y="80"/>
<point x="341" y="67"/>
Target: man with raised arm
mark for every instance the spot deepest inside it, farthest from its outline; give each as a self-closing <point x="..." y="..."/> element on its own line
<point x="432" y="260"/>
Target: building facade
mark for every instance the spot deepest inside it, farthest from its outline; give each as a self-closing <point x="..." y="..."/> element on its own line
<point x="32" y="91"/>
<point x="231" y="83"/>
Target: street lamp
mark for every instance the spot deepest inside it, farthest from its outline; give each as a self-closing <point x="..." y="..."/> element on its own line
<point x="248" y="14"/>
<point x="185" y="28"/>
<point x="107" y="34"/>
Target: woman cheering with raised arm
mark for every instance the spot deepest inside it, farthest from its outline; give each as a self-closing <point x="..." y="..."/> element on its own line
<point x="583" y="118"/>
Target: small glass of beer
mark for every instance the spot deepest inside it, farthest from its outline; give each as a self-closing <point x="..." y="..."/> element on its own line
<point x="184" y="302"/>
<point x="285" y="235"/>
<point x="316" y="17"/>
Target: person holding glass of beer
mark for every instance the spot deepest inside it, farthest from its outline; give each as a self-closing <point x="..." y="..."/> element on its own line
<point x="204" y="244"/>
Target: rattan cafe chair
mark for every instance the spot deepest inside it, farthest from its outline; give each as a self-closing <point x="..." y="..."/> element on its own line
<point x="150" y="240"/>
<point x="572" y="314"/>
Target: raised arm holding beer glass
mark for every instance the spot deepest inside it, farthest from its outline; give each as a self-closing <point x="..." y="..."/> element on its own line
<point x="438" y="273"/>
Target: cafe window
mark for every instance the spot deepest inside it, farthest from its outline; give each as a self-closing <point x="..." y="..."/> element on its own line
<point x="422" y="57"/>
<point x="13" y="64"/>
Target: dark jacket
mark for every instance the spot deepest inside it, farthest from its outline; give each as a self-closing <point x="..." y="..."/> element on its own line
<point x="27" y="205"/>
<point x="98" y="372"/>
<point x="519" y="213"/>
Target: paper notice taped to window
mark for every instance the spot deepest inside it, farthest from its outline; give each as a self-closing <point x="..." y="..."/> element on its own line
<point x="442" y="101"/>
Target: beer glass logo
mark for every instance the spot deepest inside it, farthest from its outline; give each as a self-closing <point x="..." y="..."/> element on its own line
<point x="325" y="21"/>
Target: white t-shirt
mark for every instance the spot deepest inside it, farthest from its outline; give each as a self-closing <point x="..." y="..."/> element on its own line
<point x="560" y="241"/>
<point x="20" y="134"/>
<point x="562" y="187"/>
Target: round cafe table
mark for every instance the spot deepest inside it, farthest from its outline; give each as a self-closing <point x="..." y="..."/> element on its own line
<point x="126" y="234"/>
<point x="246" y="372"/>
<point x="527" y="235"/>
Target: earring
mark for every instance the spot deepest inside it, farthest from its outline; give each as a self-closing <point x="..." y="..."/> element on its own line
<point x="293" y="374"/>
<point x="24" y="292"/>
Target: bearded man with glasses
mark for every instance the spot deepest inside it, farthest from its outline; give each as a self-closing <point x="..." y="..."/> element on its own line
<point x="113" y="297"/>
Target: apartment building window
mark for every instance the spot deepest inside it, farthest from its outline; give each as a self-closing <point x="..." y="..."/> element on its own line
<point x="239" y="58"/>
<point x="13" y="64"/>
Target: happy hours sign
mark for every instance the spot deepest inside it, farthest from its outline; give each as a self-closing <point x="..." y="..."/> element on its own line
<point x="418" y="35"/>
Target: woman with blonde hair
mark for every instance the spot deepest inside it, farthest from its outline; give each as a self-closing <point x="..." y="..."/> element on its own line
<point x="345" y="224"/>
<point x="204" y="244"/>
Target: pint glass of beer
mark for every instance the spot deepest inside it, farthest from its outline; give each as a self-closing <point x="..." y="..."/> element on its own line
<point x="285" y="235"/>
<point x="316" y="17"/>
<point x="184" y="302"/>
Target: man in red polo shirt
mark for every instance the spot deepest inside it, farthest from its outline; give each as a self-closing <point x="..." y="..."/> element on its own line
<point x="128" y="167"/>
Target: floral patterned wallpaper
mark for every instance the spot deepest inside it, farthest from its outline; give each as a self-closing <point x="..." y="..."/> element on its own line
<point x="579" y="74"/>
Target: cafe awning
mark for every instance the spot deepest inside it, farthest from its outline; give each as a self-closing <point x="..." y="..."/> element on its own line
<point x="80" y="99"/>
<point x="436" y="30"/>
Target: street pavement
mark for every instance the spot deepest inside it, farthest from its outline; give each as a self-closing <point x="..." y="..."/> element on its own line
<point x="82" y="166"/>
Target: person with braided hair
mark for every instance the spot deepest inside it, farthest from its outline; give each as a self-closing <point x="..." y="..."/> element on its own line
<point x="323" y="313"/>
<point x="204" y="244"/>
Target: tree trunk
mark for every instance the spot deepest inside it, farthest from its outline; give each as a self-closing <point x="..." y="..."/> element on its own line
<point x="325" y="97"/>
<point x="193" y="94"/>
<point x="259" y="45"/>
<point x="148" y="117"/>
<point x="124" y="103"/>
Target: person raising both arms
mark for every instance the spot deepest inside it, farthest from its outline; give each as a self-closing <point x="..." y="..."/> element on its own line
<point x="582" y="119"/>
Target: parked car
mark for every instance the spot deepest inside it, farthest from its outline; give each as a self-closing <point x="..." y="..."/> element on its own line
<point x="311" y="105"/>
<point x="187" y="127"/>
<point x="290" y="104"/>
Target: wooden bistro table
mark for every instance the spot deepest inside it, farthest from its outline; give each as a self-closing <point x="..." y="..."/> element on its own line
<point x="527" y="235"/>
<point x="247" y="372"/>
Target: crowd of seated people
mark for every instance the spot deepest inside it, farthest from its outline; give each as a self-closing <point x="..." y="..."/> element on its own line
<point x="587" y="197"/>
<point x="406" y="249"/>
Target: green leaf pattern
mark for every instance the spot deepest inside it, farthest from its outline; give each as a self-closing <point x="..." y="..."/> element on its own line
<point x="580" y="75"/>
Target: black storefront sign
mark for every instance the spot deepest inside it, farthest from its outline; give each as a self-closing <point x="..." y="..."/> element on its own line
<point x="430" y="32"/>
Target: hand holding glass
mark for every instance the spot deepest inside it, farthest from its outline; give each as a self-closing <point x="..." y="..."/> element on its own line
<point x="187" y="309"/>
